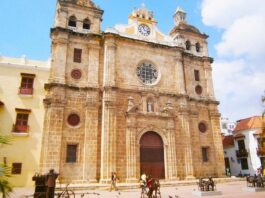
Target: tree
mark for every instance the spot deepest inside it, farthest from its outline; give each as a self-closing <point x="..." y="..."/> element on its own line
<point x="5" y="186"/>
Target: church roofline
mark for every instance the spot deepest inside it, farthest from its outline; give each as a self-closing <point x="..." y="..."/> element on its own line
<point x="188" y="30"/>
<point x="143" y="41"/>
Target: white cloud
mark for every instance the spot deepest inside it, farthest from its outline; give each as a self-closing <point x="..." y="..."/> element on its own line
<point x="238" y="89"/>
<point x="244" y="37"/>
<point x="239" y="70"/>
<point x="222" y="13"/>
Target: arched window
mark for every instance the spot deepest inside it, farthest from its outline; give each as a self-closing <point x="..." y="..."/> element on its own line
<point x="198" y="47"/>
<point x="188" y="45"/>
<point x="86" y="24"/>
<point x="72" y="21"/>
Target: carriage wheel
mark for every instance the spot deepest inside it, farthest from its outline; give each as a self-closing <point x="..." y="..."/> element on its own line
<point x="67" y="194"/>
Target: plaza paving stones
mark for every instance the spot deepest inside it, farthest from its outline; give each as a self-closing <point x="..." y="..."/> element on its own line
<point x="228" y="189"/>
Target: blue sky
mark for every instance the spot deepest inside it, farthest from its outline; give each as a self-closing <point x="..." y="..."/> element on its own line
<point x="26" y="23"/>
<point x="236" y="29"/>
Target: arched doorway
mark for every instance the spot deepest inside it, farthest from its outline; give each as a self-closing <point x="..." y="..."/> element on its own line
<point x="152" y="155"/>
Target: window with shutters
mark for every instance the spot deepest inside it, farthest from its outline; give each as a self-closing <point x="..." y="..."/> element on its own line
<point x="71" y="153"/>
<point x="16" y="168"/>
<point x="77" y="55"/>
<point x="26" y="85"/>
<point x="21" y="125"/>
<point x="197" y="75"/>
<point x="205" y="154"/>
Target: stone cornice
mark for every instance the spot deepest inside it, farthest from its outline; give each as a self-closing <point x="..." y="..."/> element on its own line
<point x="48" y="86"/>
<point x="204" y="58"/>
<point x="80" y="34"/>
<point x="206" y="101"/>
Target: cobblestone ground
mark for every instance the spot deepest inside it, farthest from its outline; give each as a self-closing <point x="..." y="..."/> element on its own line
<point x="229" y="190"/>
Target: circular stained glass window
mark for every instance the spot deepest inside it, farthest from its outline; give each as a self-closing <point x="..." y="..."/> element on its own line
<point x="198" y="89"/>
<point x="147" y="73"/>
<point x="202" y="127"/>
<point x="73" y="119"/>
<point x="76" y="74"/>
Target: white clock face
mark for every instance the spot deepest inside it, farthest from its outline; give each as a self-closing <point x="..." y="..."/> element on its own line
<point x="144" y="29"/>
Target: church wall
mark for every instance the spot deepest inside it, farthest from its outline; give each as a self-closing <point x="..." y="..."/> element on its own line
<point x="129" y="55"/>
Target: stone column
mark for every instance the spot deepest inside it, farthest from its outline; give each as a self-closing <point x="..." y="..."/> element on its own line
<point x="187" y="147"/>
<point x="180" y="78"/>
<point x="195" y="137"/>
<point x="108" y="136"/>
<point x="171" y="156"/>
<point x="217" y="141"/>
<point x="109" y="63"/>
<point x="59" y="56"/>
<point x="52" y="135"/>
<point x="90" y="139"/>
<point x="93" y="67"/>
<point x="209" y="80"/>
<point x="131" y="152"/>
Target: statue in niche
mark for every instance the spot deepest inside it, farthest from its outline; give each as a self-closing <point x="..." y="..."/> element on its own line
<point x="150" y="106"/>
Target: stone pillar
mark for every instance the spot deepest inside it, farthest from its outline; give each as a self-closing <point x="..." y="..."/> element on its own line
<point x="93" y="67"/>
<point x="108" y="136"/>
<point x="109" y="63"/>
<point x="180" y="78"/>
<point x="171" y="156"/>
<point x="52" y="135"/>
<point x="59" y="56"/>
<point x="131" y="152"/>
<point x="90" y="139"/>
<point x="195" y="140"/>
<point x="187" y="147"/>
<point x="209" y="80"/>
<point x="217" y="141"/>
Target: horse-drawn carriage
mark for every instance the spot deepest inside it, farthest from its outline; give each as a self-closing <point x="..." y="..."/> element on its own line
<point x="153" y="187"/>
<point x="206" y="184"/>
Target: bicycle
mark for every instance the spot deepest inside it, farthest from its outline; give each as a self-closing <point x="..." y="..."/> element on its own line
<point x="67" y="193"/>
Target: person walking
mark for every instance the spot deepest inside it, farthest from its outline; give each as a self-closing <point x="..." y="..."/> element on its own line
<point x="113" y="181"/>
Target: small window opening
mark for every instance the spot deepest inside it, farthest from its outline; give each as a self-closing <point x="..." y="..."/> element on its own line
<point x="72" y="21"/>
<point x="16" y="168"/>
<point x="77" y="55"/>
<point x="205" y="154"/>
<point x="86" y="24"/>
<point x="188" y="45"/>
<point x="198" y="47"/>
<point x="71" y="153"/>
<point x="197" y="75"/>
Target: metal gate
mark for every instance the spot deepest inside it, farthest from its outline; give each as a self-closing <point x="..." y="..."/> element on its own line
<point x="152" y="155"/>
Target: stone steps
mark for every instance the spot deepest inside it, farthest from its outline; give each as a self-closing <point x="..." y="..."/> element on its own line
<point x="125" y="186"/>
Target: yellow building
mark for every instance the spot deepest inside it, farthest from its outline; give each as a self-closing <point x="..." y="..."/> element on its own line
<point x="21" y="115"/>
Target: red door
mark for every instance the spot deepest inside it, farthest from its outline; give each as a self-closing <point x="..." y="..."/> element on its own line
<point x="152" y="155"/>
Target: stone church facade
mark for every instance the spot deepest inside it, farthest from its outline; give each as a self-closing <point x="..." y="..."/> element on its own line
<point x="130" y="99"/>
